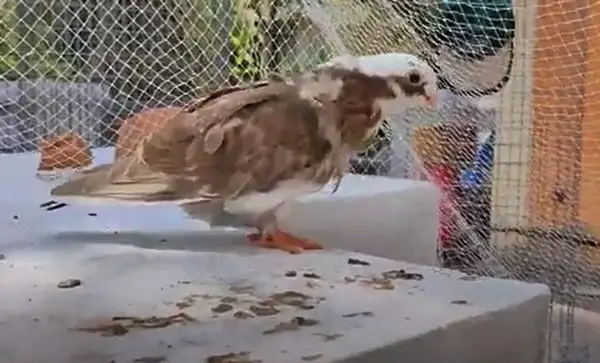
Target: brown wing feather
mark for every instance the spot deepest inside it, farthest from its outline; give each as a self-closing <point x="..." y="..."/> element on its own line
<point x="235" y="141"/>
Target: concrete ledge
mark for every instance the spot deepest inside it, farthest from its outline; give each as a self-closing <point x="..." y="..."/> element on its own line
<point x="442" y="317"/>
<point x="392" y="218"/>
<point x="380" y="216"/>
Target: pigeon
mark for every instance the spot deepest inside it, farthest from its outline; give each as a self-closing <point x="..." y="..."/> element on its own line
<point x="235" y="156"/>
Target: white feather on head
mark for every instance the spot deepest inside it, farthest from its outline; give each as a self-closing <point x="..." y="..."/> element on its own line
<point x="391" y="65"/>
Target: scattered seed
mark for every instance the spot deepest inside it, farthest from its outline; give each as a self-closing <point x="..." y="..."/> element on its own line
<point x="263" y="310"/>
<point x="69" y="284"/>
<point x="56" y="206"/>
<point x="310" y="358"/>
<point x="401" y="274"/>
<point x="329" y="337"/>
<point x="242" y="315"/>
<point x="311" y="275"/>
<point x="379" y="283"/>
<point x="301" y="321"/>
<point x="157" y="359"/>
<point x="291" y="298"/>
<point x="356" y="261"/>
<point x="291" y="273"/>
<point x="292" y="325"/>
<point x="362" y="313"/>
<point x="312" y="285"/>
<point x="222" y="308"/>
<point x="242" y="357"/>
<point x="241" y="289"/>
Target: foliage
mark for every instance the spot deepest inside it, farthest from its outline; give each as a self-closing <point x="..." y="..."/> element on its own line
<point x="246" y="37"/>
<point x="19" y="58"/>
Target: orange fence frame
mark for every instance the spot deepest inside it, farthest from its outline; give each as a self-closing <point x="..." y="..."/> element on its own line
<point x="565" y="131"/>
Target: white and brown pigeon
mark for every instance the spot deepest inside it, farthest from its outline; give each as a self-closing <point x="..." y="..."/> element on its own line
<point x="235" y="156"/>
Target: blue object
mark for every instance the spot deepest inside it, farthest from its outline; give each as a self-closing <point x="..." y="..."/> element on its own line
<point x="480" y="173"/>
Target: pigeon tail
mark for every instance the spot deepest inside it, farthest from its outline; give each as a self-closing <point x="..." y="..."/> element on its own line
<point x="112" y="182"/>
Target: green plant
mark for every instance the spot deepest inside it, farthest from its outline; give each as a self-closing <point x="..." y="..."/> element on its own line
<point x="246" y="37"/>
<point x="27" y="49"/>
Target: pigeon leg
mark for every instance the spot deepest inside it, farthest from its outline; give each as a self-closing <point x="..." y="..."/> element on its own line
<point x="270" y="236"/>
<point x="283" y="241"/>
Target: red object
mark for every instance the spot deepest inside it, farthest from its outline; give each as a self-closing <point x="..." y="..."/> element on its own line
<point x="444" y="176"/>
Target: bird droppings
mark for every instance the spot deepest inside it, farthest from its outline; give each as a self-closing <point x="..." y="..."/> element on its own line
<point x="69" y="283"/>
<point x="362" y="313"/>
<point x="310" y="358"/>
<point x="291" y="273"/>
<point x="157" y="359"/>
<point x="356" y="261"/>
<point x="311" y="275"/>
<point x="242" y="315"/>
<point x="93" y="214"/>
<point x="242" y="357"/>
<point x="222" y="308"/>
<point x="459" y="302"/>
<point x="402" y="274"/>
<point x="329" y="337"/>
<point x="264" y="310"/>
<point x="121" y="325"/>
<point x="294" y="324"/>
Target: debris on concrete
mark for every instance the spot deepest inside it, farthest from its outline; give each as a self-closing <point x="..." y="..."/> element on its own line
<point x="362" y="313"/>
<point x="311" y="275"/>
<point x="222" y="308"/>
<point x="69" y="283"/>
<point x="356" y="261"/>
<point x="294" y="324"/>
<point x="242" y="357"/>
<point x="402" y="274"/>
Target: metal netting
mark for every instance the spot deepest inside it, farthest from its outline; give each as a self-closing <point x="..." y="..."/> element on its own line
<point x="513" y="144"/>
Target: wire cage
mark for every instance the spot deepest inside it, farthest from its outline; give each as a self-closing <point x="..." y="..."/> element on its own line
<point x="513" y="145"/>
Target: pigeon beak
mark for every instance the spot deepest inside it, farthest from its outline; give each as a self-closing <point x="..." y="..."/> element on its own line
<point x="430" y="100"/>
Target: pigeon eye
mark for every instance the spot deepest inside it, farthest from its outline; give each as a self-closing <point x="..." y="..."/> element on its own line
<point x="414" y="78"/>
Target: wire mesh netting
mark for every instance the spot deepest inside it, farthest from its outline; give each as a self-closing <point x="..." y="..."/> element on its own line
<point x="513" y="144"/>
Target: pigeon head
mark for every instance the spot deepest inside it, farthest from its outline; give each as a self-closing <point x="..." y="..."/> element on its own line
<point x="365" y="90"/>
<point x="411" y="79"/>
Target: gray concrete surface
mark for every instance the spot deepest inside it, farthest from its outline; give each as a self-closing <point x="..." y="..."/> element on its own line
<point x="146" y="261"/>
<point x="357" y="316"/>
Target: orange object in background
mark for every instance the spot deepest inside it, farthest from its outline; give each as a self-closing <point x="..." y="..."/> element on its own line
<point x="66" y="151"/>
<point x="136" y="127"/>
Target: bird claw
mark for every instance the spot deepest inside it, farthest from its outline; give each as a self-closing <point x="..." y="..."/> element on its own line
<point x="283" y="241"/>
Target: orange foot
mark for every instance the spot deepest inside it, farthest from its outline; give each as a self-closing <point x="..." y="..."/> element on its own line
<point x="283" y="241"/>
